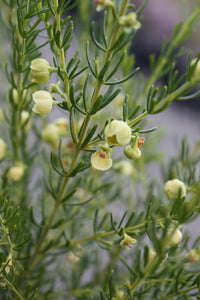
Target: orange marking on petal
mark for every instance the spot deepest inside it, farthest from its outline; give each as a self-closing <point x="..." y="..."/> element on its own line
<point x="140" y="142"/>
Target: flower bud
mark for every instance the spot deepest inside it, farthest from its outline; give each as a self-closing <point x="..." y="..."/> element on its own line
<point x="50" y="134"/>
<point x="43" y="102"/>
<point x="16" y="97"/>
<point x="196" y="62"/>
<point x="101" y="160"/>
<point x="175" y="188"/>
<point x="175" y="236"/>
<point x="15" y="173"/>
<point x="124" y="167"/>
<point x="117" y="133"/>
<point x="152" y="254"/>
<point x="132" y="152"/>
<point x="129" y="22"/>
<point x="40" y="69"/>
<point x="62" y="125"/>
<point x="2" y="149"/>
<point x="25" y="119"/>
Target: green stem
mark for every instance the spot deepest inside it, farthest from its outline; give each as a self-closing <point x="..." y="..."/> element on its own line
<point x="13" y="288"/>
<point x="36" y="258"/>
<point x="178" y="293"/>
<point x="169" y="98"/>
<point x="105" y="234"/>
<point x="62" y="54"/>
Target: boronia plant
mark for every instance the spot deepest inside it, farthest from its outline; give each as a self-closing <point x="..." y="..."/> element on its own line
<point x="81" y="217"/>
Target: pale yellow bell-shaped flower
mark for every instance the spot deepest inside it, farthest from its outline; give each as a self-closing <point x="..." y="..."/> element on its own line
<point x="43" y="102"/>
<point x="117" y="133"/>
<point x="101" y="160"/>
<point x="173" y="188"/>
<point x="40" y="69"/>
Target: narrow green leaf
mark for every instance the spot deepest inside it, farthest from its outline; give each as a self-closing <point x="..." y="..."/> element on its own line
<point x="58" y="223"/>
<point x="161" y="108"/>
<point x="69" y="195"/>
<point x="119" y="41"/>
<point x="95" y="221"/>
<point x="116" y="66"/>
<point x="130" y="219"/>
<point x="102" y="221"/>
<point x="106" y="101"/>
<point x="125" y="108"/>
<point x="123" y="79"/>
<point x="98" y="45"/>
<point x="74" y="69"/>
<point x="68" y="33"/>
<point x="148" y="130"/>
<point x="103" y="28"/>
<point x="32" y="219"/>
<point x="104" y="70"/>
<point x="73" y="102"/>
<point x="89" y="136"/>
<point x="72" y="127"/>
<point x="97" y="105"/>
<point x="122" y="219"/>
<point x="54" y="165"/>
<point x="88" y="59"/>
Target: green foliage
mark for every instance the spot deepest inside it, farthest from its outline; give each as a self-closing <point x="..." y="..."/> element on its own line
<point x="67" y="228"/>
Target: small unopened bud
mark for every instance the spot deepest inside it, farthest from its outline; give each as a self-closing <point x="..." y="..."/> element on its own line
<point x="43" y="102"/>
<point x="196" y="62"/>
<point x="17" y="98"/>
<point x="50" y="134"/>
<point x="175" y="188"/>
<point x="117" y="133"/>
<point x="132" y="151"/>
<point x="40" y="69"/>
<point x="3" y="148"/>
<point x="175" y="236"/>
<point x="62" y="125"/>
<point x="15" y="173"/>
<point x="25" y="120"/>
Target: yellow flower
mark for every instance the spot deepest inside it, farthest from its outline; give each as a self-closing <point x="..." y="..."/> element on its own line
<point x="40" y="69"/>
<point x="174" y="188"/>
<point x="127" y="241"/>
<point x="43" y="102"/>
<point x="117" y="133"/>
<point x="129" y="22"/>
<point x="101" y="160"/>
